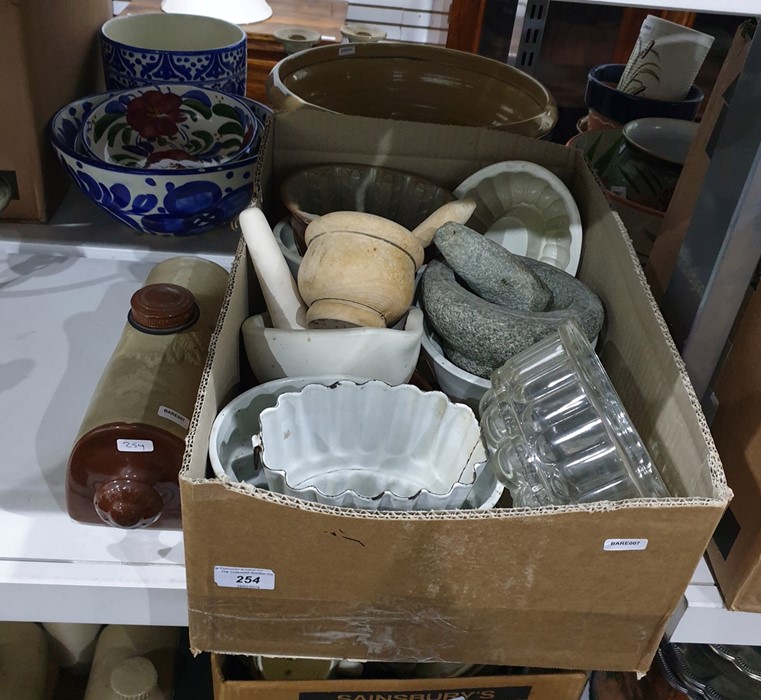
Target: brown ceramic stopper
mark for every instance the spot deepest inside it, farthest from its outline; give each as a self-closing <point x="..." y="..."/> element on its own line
<point x="134" y="679"/>
<point x="162" y="307"/>
<point x="127" y="503"/>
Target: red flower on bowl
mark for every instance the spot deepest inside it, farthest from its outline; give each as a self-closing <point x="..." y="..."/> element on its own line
<point x="155" y="114"/>
<point x="170" y="154"/>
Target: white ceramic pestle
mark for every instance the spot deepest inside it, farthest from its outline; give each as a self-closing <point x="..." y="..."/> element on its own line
<point x="284" y="303"/>
<point x="459" y="211"/>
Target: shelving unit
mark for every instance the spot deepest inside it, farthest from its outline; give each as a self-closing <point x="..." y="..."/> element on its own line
<point x="731" y="7"/>
<point x="65" y="287"/>
<point x="702" y="618"/>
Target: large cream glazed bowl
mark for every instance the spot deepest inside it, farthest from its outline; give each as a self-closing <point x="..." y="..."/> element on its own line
<point x="413" y="83"/>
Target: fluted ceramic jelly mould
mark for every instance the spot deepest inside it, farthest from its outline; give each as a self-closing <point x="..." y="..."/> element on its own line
<point x="528" y="210"/>
<point x="371" y="446"/>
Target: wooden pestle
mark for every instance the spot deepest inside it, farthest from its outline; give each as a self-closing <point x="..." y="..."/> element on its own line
<point x="458" y="211"/>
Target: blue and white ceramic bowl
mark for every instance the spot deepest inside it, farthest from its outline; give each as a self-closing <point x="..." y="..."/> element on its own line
<point x="161" y="202"/>
<point x="140" y="50"/>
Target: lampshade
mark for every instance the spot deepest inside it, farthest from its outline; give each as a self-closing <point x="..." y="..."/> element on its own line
<point x="235" y="11"/>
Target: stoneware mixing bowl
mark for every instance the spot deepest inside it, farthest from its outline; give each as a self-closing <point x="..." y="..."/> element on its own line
<point x="413" y="83"/>
<point x="400" y="448"/>
<point x="393" y="194"/>
<point x="140" y="50"/>
<point x="169" y="126"/>
<point x="388" y="354"/>
<point x="162" y="202"/>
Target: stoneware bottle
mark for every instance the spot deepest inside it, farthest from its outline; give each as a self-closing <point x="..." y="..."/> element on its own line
<point x="123" y="469"/>
<point x="133" y="662"/>
<point x="24" y="666"/>
<point x="72" y="644"/>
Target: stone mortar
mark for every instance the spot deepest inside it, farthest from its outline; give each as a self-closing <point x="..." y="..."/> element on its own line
<point x="480" y="336"/>
<point x="491" y="271"/>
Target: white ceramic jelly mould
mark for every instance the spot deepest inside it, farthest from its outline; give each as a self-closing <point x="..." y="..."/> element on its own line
<point x="528" y="210"/>
<point x="371" y="446"/>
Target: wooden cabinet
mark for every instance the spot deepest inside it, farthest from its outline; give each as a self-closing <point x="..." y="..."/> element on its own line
<point x="262" y="56"/>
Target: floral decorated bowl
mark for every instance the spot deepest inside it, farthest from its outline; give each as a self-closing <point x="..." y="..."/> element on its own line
<point x="142" y="50"/>
<point x="161" y="202"/>
<point x="169" y="126"/>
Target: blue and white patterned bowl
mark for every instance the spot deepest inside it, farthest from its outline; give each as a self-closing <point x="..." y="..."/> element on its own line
<point x="161" y="202"/>
<point x="140" y="50"/>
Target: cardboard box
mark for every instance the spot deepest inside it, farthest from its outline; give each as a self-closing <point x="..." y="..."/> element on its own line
<point x="673" y="227"/>
<point x="49" y="56"/>
<point x="507" y="586"/>
<point x="537" y="686"/>
<point x="735" y="551"/>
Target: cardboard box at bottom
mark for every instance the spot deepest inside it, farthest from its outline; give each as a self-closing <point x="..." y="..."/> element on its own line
<point x="735" y="552"/>
<point x="536" y="686"/>
<point x="575" y="587"/>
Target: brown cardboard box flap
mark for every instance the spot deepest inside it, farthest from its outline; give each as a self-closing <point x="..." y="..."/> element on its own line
<point x="735" y="552"/>
<point x="665" y="251"/>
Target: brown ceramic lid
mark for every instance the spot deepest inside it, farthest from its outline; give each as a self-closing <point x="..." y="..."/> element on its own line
<point x="162" y="307"/>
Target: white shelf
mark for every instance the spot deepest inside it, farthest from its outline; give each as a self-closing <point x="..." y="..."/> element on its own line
<point x="730" y="7"/>
<point x="62" y="307"/>
<point x="702" y="617"/>
<point x="81" y="229"/>
<point x="63" y="302"/>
